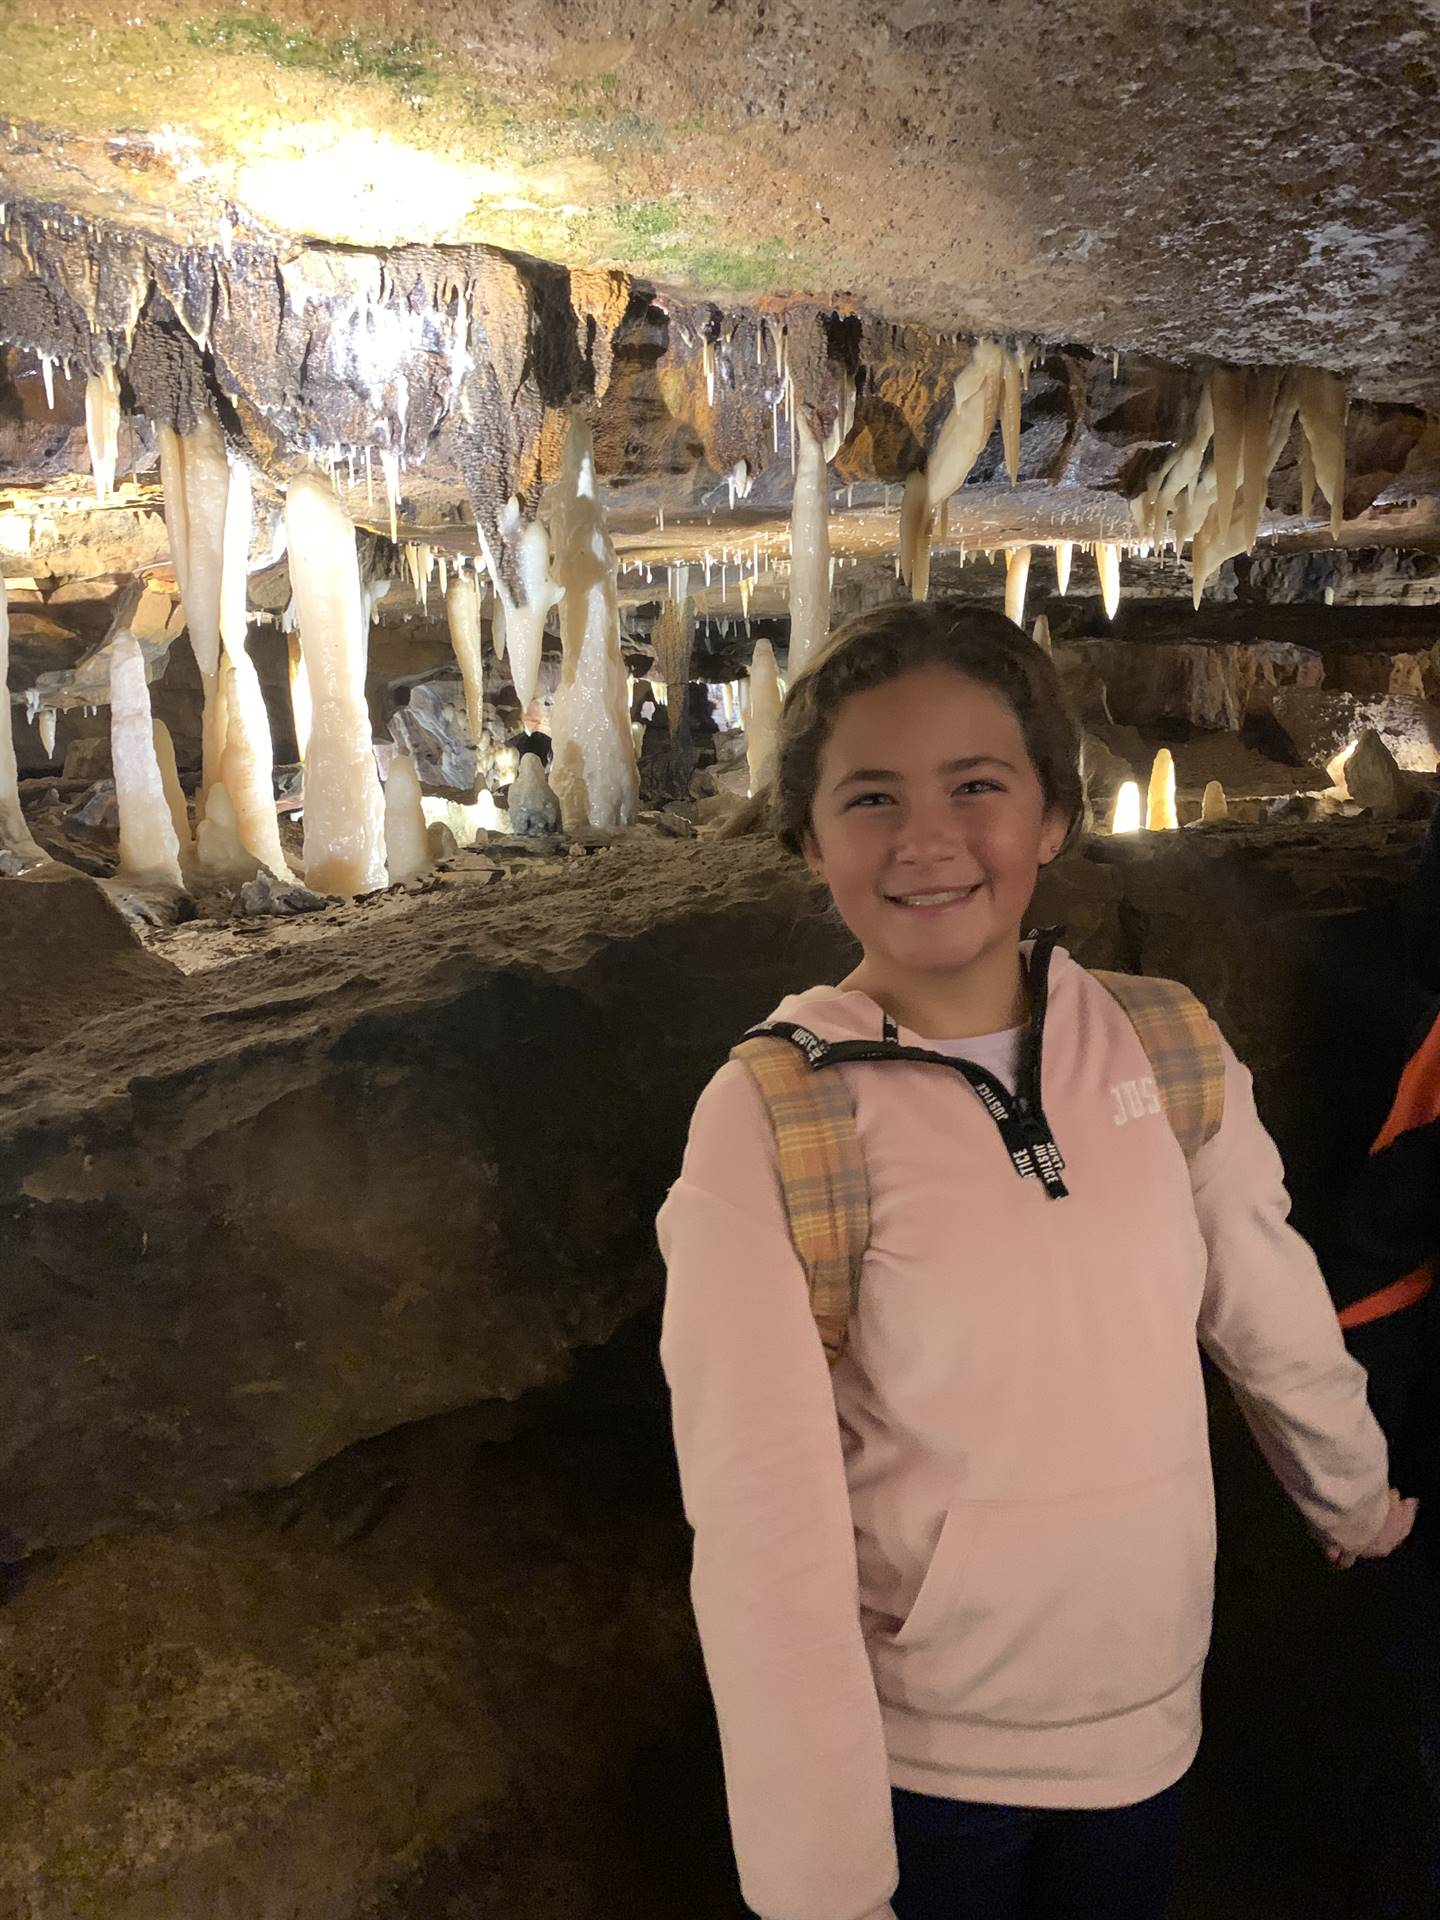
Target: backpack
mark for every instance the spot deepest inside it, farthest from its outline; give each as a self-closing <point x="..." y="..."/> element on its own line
<point x="822" y="1168"/>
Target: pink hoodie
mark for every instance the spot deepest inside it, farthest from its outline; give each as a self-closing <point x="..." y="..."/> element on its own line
<point x="991" y="1577"/>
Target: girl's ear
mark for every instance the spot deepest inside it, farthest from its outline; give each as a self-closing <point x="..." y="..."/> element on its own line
<point x="810" y="848"/>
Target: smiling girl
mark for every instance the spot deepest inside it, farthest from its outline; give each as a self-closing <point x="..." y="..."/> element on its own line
<point x="965" y="1620"/>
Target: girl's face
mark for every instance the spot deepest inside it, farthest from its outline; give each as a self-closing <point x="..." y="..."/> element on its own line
<point x="929" y="823"/>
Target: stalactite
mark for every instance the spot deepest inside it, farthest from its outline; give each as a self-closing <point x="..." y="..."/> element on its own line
<point x="1017" y="573"/>
<point x="1107" y="563"/>
<point x="149" y="848"/>
<point x="45" y="721"/>
<point x="809" y="546"/>
<point x="593" y="771"/>
<point x="462" y="614"/>
<point x="407" y="847"/>
<point x="764" y="720"/>
<point x="959" y="443"/>
<point x="522" y="624"/>
<point x="1012" y="380"/>
<point x="102" y="429"/>
<point x="195" y="476"/>
<point x="344" y="807"/>
<point x="1064" y="554"/>
<point x="247" y="763"/>
<point x="673" y="640"/>
<point x="1160" y="802"/>
<point x="16" y="838"/>
<point x="1324" y="401"/>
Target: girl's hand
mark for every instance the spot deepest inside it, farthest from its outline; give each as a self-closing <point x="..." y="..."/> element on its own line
<point x="1396" y="1529"/>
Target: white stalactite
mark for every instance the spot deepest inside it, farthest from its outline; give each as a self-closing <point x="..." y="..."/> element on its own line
<point x="407" y="847"/>
<point x="519" y="626"/>
<point x="15" y="835"/>
<point x="462" y="613"/>
<point x="45" y="721"/>
<point x="593" y="771"/>
<point x="1324" y="401"/>
<point x="764" y="717"/>
<point x="247" y="763"/>
<point x="102" y="429"/>
<point x="344" y="807"/>
<point x="979" y="389"/>
<point x="1064" y="554"/>
<point x="149" y="847"/>
<point x="809" y="546"/>
<point x="195" y="476"/>
<point x="1107" y="563"/>
<point x="1017" y="574"/>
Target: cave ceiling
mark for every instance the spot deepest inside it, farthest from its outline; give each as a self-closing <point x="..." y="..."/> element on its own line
<point x="630" y="205"/>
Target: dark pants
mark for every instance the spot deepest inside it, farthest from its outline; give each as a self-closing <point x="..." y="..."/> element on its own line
<point x="963" y="1860"/>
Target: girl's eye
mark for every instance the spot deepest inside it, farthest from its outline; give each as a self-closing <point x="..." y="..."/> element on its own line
<point x="979" y="786"/>
<point x="868" y="800"/>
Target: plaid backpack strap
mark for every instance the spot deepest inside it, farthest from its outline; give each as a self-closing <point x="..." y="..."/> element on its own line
<point x="822" y="1176"/>
<point x="1184" y="1051"/>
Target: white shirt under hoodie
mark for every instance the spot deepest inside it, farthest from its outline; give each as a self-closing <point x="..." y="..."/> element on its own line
<point x="990" y="1578"/>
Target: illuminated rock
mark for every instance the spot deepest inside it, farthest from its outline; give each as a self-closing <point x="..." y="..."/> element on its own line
<point x="1372" y="777"/>
<point x="1160" y="802"/>
<point x="149" y="847"/>
<point x="1126" y="816"/>
<point x="344" y="807"/>
<point x="593" y="772"/>
<point x="1213" y="804"/>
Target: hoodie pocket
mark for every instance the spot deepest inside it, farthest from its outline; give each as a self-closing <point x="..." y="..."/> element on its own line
<point x="1046" y="1613"/>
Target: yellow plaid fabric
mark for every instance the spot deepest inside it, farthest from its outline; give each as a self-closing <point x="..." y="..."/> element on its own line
<point x="1179" y="1036"/>
<point x="822" y="1175"/>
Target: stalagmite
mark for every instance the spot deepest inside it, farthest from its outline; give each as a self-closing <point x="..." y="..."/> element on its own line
<point x="149" y="849"/>
<point x="1107" y="563"/>
<point x="1017" y="573"/>
<point x="520" y="626"/>
<point x="174" y="792"/>
<point x="102" y="429"/>
<point x="764" y="714"/>
<point x="407" y="850"/>
<point x="301" y="706"/>
<point x="1126" y="816"/>
<point x="195" y="476"/>
<point x="593" y="772"/>
<point x="1042" y="636"/>
<point x="218" y="846"/>
<point x="462" y="613"/>
<point x="1324" y="401"/>
<point x="1213" y="804"/>
<point x="809" y="547"/>
<point x="532" y="804"/>
<point x="344" y="807"/>
<point x="247" y="763"/>
<point x="1064" y="554"/>
<point x="15" y="836"/>
<point x="1160" y="804"/>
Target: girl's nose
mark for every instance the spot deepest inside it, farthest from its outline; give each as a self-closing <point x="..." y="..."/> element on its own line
<point x="929" y="832"/>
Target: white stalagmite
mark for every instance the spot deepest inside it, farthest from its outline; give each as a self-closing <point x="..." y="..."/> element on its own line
<point x="15" y="836"/>
<point x="247" y="763"/>
<point x="519" y="627"/>
<point x="1107" y="563"/>
<point x="174" y="792"/>
<point x="302" y="709"/>
<point x="764" y="720"/>
<point x="462" y="613"/>
<point x="407" y="848"/>
<point x="1064" y="554"/>
<point x="1042" y="636"/>
<point x="1160" y="803"/>
<point x="1017" y="574"/>
<point x="1213" y="804"/>
<point x="809" y="547"/>
<point x="102" y="429"/>
<point x="218" y="846"/>
<point x="149" y="848"/>
<point x="593" y="771"/>
<point x="1126" y="816"/>
<point x="195" y="476"/>
<point x="344" y="807"/>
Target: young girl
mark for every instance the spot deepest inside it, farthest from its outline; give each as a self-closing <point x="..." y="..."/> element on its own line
<point x="964" y="1621"/>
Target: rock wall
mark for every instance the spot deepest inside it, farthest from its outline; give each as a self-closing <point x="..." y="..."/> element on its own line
<point x="408" y="1160"/>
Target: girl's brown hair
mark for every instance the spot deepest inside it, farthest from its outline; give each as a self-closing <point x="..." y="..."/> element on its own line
<point x="876" y="647"/>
